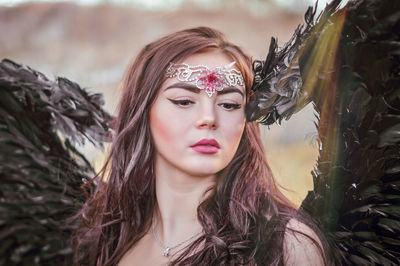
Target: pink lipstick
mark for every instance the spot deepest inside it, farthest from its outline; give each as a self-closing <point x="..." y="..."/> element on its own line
<point x="206" y="146"/>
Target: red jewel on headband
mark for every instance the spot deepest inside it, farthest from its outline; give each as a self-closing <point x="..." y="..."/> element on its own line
<point x="211" y="82"/>
<point x="211" y="79"/>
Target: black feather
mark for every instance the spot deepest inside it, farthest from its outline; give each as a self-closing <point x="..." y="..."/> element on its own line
<point x="278" y="80"/>
<point x="356" y="94"/>
<point x="41" y="171"/>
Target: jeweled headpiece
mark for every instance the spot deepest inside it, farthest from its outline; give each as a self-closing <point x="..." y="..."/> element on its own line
<point x="210" y="80"/>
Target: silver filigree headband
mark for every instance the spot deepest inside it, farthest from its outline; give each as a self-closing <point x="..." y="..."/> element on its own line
<point x="210" y="80"/>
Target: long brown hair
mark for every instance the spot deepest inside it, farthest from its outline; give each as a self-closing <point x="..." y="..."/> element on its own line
<point x="237" y="218"/>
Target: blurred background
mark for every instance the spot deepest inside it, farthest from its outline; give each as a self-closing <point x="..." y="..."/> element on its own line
<point x="91" y="42"/>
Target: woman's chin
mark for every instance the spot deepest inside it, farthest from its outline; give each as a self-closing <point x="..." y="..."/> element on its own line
<point x="204" y="168"/>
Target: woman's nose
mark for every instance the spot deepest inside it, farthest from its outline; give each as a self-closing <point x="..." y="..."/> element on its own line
<point x="207" y="117"/>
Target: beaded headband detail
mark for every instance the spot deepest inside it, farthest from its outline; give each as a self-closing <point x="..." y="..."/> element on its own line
<point x="210" y="80"/>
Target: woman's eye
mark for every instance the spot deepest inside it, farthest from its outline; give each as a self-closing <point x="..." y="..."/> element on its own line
<point x="231" y="106"/>
<point x="183" y="103"/>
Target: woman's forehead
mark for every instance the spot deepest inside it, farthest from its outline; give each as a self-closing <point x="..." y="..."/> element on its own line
<point x="211" y="58"/>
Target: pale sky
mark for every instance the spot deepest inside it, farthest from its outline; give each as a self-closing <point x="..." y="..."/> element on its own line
<point x="159" y="4"/>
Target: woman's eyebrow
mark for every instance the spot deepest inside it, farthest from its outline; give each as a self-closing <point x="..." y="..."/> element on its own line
<point x="193" y="88"/>
<point x="230" y="90"/>
<point x="184" y="85"/>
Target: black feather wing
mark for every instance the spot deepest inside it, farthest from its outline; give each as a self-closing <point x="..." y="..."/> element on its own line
<point x="41" y="171"/>
<point x="357" y="179"/>
<point x="349" y="64"/>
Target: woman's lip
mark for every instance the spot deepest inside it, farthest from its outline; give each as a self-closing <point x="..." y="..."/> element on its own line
<point x="207" y="143"/>
<point x="206" y="146"/>
<point x="206" y="149"/>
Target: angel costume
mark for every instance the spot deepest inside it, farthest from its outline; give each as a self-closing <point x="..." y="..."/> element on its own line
<point x="346" y="62"/>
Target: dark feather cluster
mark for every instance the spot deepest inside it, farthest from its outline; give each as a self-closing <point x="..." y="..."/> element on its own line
<point x="356" y="195"/>
<point x="41" y="171"/>
<point x="278" y="80"/>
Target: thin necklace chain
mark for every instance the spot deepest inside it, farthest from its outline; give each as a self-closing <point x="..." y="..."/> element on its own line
<point x="166" y="248"/>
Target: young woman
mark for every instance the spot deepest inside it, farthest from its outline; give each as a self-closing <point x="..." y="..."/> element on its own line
<point x="187" y="181"/>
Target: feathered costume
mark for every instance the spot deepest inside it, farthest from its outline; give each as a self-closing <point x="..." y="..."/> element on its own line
<point x="346" y="62"/>
<point x="348" y="65"/>
<point x="41" y="171"/>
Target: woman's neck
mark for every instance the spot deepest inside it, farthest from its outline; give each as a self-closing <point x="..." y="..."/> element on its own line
<point x="178" y="196"/>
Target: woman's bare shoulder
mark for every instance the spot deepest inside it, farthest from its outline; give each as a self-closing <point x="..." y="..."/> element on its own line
<point x="301" y="245"/>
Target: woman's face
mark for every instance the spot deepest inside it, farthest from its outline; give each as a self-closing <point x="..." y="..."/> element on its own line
<point x="183" y="115"/>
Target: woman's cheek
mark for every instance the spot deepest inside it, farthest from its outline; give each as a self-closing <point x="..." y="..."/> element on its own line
<point x="160" y="124"/>
<point x="235" y="127"/>
<point x="159" y="128"/>
<point x="166" y="126"/>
